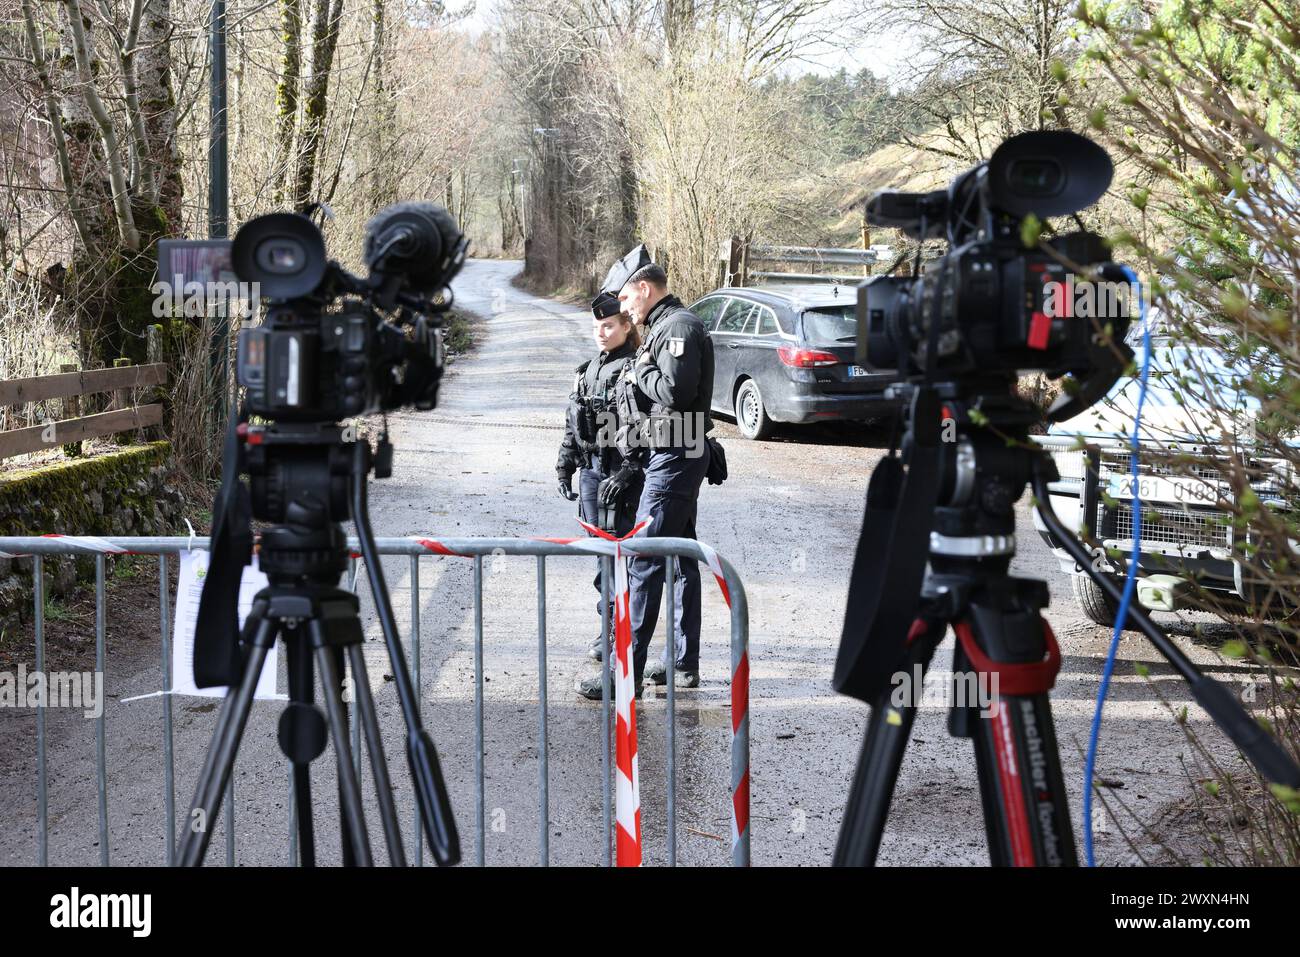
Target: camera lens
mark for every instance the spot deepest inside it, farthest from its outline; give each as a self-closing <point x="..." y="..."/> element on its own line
<point x="281" y="256"/>
<point x="1035" y="177"/>
<point x="283" y="252"/>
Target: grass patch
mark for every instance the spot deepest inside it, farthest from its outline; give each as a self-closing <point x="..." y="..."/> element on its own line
<point x="457" y="333"/>
<point x="124" y="569"/>
<point x="56" y="610"/>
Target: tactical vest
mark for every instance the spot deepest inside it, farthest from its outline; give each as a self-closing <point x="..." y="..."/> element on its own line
<point x="596" y="407"/>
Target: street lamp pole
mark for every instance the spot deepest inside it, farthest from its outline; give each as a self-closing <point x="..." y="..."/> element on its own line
<point x="218" y="193"/>
<point x="522" y="173"/>
<point x="218" y="159"/>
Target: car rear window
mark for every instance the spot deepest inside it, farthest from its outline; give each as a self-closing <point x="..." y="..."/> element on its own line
<point x="767" y="322"/>
<point x="830" y="325"/>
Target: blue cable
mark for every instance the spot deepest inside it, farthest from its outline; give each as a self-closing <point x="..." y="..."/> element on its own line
<point x="1130" y="582"/>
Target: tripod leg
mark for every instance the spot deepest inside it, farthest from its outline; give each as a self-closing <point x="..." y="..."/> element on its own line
<point x="1022" y="786"/>
<point x="300" y="689"/>
<point x="345" y="832"/>
<point x="1026" y="816"/>
<point x="221" y="753"/>
<point x="882" y="754"/>
<point x="378" y="766"/>
<point x="349" y="788"/>
<point x="422" y="755"/>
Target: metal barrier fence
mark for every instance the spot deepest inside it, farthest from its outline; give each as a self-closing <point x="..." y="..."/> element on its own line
<point x="733" y="591"/>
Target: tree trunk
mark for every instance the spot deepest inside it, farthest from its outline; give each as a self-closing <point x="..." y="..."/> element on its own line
<point x="113" y="264"/>
<point x="237" y="89"/>
<point x="80" y="42"/>
<point x="627" y="195"/>
<point x="89" y="189"/>
<point x="382" y="114"/>
<point x="158" y="106"/>
<point x="324" y="39"/>
<point x="286" y="91"/>
<point x="41" y="63"/>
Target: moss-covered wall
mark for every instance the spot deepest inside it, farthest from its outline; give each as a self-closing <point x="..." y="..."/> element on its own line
<point x="127" y="492"/>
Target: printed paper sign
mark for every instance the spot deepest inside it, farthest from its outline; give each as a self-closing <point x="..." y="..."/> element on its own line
<point x="189" y="587"/>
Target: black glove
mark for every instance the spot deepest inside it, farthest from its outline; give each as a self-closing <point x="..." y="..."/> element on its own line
<point x="566" y="482"/>
<point x="613" y="487"/>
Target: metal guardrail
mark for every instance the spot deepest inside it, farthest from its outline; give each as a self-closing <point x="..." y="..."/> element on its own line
<point x="801" y="277"/>
<point x="737" y="259"/>
<point x="826" y="256"/>
<point x="37" y="548"/>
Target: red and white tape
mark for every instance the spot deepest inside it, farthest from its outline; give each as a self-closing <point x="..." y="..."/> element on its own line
<point x="627" y="802"/>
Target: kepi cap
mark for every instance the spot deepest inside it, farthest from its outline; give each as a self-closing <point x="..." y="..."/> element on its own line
<point x="622" y="271"/>
<point x="605" y="305"/>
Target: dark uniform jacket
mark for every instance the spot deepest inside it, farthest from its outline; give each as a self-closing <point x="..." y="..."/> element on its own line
<point x="588" y="433"/>
<point x="678" y="378"/>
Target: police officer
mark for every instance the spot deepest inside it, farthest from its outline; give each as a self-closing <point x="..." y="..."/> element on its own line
<point x="610" y="481"/>
<point x="670" y="385"/>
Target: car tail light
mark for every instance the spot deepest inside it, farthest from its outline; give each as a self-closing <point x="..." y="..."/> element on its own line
<point x="806" y="358"/>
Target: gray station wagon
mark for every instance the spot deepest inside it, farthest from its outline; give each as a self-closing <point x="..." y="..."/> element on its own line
<point x="787" y="355"/>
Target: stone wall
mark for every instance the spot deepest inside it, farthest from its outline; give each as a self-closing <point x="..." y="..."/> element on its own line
<point x="127" y="492"/>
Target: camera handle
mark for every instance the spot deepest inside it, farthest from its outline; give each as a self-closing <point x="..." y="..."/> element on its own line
<point x="1260" y="748"/>
<point x="430" y="788"/>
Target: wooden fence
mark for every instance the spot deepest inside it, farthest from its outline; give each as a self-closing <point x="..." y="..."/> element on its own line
<point x="126" y="383"/>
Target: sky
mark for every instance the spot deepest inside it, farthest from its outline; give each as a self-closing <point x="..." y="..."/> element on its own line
<point x="884" y="56"/>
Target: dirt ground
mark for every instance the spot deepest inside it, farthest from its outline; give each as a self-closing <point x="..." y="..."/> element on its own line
<point x="482" y="464"/>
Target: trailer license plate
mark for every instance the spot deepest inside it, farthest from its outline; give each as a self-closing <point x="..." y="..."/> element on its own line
<point x="1153" y="489"/>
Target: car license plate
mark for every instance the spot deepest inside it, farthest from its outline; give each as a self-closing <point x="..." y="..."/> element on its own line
<point x="1153" y="489"/>
<point x="855" y="371"/>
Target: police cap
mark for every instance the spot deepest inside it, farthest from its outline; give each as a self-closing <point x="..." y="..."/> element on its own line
<point x="605" y="305"/>
<point x="623" y="270"/>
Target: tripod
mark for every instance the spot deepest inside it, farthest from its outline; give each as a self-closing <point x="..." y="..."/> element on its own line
<point x="304" y="559"/>
<point x="1003" y="642"/>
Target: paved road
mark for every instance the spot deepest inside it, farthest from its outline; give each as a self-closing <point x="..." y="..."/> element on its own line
<point x="482" y="464"/>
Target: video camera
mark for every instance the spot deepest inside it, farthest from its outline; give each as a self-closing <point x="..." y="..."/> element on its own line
<point x="989" y="305"/>
<point x="939" y="530"/>
<point x="325" y="351"/>
<point x="332" y="346"/>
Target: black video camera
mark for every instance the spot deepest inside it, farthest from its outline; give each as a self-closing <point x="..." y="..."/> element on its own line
<point x="333" y="345"/>
<point x="326" y="350"/>
<point x="992" y="305"/>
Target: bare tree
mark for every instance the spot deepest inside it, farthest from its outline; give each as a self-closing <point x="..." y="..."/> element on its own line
<point x="984" y="69"/>
<point x="111" y="121"/>
<point x="286" y="91"/>
<point x="650" y="120"/>
<point x="325" y="37"/>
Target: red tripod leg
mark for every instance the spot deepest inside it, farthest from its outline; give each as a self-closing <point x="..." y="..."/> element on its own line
<point x="1015" y="657"/>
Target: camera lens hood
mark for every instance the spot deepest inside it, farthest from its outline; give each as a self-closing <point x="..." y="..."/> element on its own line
<point x="283" y="252"/>
<point x="1047" y="173"/>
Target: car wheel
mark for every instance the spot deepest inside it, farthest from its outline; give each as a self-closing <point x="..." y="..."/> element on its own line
<point x="1097" y="606"/>
<point x="751" y="418"/>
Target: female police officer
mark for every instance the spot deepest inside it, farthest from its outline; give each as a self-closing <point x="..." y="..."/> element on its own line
<point x="610" y="481"/>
